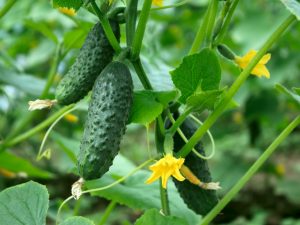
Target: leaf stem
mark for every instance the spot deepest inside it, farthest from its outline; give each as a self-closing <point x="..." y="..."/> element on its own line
<point x="211" y="21"/>
<point x="251" y="171"/>
<point x="235" y="87"/>
<point x="137" y="64"/>
<point x="226" y="23"/>
<point x="130" y="17"/>
<point x="179" y="121"/>
<point x="139" y="35"/>
<point x="38" y="128"/>
<point x="107" y="212"/>
<point x="107" y="28"/>
<point x="8" y="5"/>
<point x="201" y="32"/>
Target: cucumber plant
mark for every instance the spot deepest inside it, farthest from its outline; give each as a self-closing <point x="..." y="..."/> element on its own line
<point x="105" y="65"/>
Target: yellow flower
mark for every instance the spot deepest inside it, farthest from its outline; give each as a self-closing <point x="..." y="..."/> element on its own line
<point x="67" y="11"/>
<point x="260" y="69"/>
<point x="158" y="3"/>
<point x="164" y="168"/>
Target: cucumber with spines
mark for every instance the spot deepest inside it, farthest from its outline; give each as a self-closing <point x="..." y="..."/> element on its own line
<point x="95" y="54"/>
<point x="106" y="121"/>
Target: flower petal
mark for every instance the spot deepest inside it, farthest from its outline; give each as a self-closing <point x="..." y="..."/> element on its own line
<point x="261" y="70"/>
<point x="178" y="175"/>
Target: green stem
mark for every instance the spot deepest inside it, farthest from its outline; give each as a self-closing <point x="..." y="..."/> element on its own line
<point x="107" y="212"/>
<point x="226" y="23"/>
<point x="130" y="16"/>
<point x="164" y="199"/>
<point x="137" y="64"/>
<point x="7" y="7"/>
<point x="52" y="72"/>
<point x="107" y="28"/>
<point x="38" y="128"/>
<point x="201" y="32"/>
<point x="139" y="35"/>
<point x="234" y="88"/>
<point x="211" y="20"/>
<point x="252" y="170"/>
<point x="178" y="122"/>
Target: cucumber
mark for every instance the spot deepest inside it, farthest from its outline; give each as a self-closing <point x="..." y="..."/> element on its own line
<point x="95" y="54"/>
<point x="199" y="200"/>
<point x="106" y="121"/>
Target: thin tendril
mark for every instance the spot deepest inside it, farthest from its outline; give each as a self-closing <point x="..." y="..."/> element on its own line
<point x="40" y="153"/>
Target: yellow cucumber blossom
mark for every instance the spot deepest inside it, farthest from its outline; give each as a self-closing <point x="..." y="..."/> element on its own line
<point x="158" y="3"/>
<point x="67" y="11"/>
<point x="260" y="69"/>
<point x="166" y="167"/>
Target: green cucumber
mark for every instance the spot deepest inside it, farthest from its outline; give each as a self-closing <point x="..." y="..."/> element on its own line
<point x="106" y="120"/>
<point x="199" y="200"/>
<point x="95" y="54"/>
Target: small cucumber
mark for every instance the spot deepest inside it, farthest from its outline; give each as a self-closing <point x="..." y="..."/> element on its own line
<point x="106" y="120"/>
<point x="95" y="54"/>
<point x="199" y="200"/>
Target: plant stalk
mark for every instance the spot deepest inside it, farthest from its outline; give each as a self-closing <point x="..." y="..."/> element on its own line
<point x="107" y="212"/>
<point x="140" y="31"/>
<point x="107" y="28"/>
<point x="8" y="5"/>
<point x="130" y="16"/>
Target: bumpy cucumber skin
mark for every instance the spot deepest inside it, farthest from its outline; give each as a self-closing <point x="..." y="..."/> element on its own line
<point x="106" y="120"/>
<point x="95" y="54"/>
<point x="199" y="200"/>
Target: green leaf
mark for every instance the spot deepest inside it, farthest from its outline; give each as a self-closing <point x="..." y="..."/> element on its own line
<point x="24" y="204"/>
<point x="134" y="193"/>
<point x="153" y="216"/>
<point x="75" y="4"/>
<point x="293" y="96"/>
<point x="42" y="27"/>
<point x="293" y="6"/>
<point x="74" y="39"/>
<point x="200" y="71"/>
<point x="200" y="101"/>
<point x="77" y="220"/>
<point x="297" y="90"/>
<point x="16" y="164"/>
<point x="147" y="105"/>
<point x="24" y="82"/>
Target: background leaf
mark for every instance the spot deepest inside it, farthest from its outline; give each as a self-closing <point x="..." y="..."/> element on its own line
<point x="199" y="71"/>
<point x="153" y="216"/>
<point x="77" y="220"/>
<point x="75" y="4"/>
<point x="24" y="204"/>
<point x="16" y="164"/>
<point x="293" y="96"/>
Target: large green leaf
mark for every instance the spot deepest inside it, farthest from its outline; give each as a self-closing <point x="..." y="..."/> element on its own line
<point x="42" y="27"/>
<point x="134" y="193"/>
<point x="154" y="217"/>
<point x="77" y="220"/>
<point x="198" y="72"/>
<point x="24" y="204"/>
<point x="293" y="6"/>
<point x="75" y="4"/>
<point x="16" y="164"/>
<point x="147" y="105"/>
